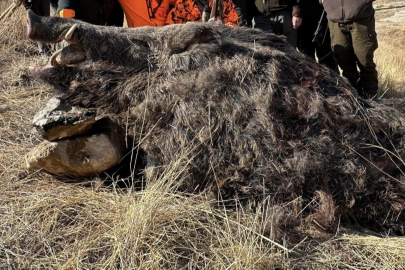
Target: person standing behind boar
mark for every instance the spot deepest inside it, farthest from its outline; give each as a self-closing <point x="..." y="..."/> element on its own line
<point x="192" y="10"/>
<point x="313" y="16"/>
<point x="285" y="18"/>
<point x="354" y="40"/>
<point x="246" y="11"/>
<point x="146" y="12"/>
<point x="281" y="17"/>
<point x="163" y="12"/>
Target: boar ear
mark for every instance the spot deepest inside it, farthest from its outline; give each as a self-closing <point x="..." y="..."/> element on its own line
<point x="192" y="36"/>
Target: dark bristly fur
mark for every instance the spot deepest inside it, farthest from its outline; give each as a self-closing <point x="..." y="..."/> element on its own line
<point x="250" y="115"/>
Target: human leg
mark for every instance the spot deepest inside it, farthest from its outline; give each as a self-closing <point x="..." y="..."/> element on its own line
<point x="325" y="54"/>
<point x="244" y="18"/>
<point x="285" y="19"/>
<point x="263" y="22"/>
<point x="342" y="47"/>
<point x="40" y="7"/>
<point x="305" y="35"/>
<point x="364" y="44"/>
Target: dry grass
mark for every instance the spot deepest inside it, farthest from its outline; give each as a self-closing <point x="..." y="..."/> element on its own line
<point x="390" y="60"/>
<point x="48" y="224"/>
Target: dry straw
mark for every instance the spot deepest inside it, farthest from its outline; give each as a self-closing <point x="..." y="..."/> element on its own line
<point x="8" y="12"/>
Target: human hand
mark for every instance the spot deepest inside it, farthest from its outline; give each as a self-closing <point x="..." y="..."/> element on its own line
<point x="296" y="21"/>
<point x="18" y="2"/>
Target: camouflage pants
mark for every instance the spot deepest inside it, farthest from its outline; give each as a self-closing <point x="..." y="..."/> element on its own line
<point x="354" y="45"/>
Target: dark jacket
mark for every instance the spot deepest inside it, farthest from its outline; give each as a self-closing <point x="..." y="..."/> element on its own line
<point x="343" y="11"/>
<point x="98" y="12"/>
<point x="268" y="6"/>
<point x="311" y="8"/>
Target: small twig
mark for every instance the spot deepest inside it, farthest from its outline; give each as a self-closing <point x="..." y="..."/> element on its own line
<point x="10" y="10"/>
<point x="214" y="10"/>
<point x="7" y="10"/>
<point x="384" y="8"/>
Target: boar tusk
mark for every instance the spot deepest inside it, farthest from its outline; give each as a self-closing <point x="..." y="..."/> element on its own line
<point x="69" y="33"/>
<point x="53" y="60"/>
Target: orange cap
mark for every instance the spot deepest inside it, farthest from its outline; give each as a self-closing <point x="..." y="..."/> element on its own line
<point x="67" y="13"/>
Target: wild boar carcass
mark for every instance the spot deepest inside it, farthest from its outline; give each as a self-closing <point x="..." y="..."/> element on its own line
<point x="247" y="115"/>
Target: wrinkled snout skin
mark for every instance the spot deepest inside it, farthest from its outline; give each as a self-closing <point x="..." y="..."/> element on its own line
<point x="46" y="29"/>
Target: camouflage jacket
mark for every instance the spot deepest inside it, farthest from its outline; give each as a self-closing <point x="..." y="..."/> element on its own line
<point x="191" y="10"/>
<point x="268" y="6"/>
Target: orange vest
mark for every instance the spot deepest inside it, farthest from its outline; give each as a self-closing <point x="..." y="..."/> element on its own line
<point x="146" y="12"/>
<point x="157" y="12"/>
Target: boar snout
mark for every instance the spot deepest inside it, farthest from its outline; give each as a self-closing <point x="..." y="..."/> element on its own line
<point x="50" y="29"/>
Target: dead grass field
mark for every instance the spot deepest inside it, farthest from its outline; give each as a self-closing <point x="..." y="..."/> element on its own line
<point x="390" y="57"/>
<point x="48" y="224"/>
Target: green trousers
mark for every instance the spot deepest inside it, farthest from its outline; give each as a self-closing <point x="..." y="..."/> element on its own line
<point x="354" y="45"/>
